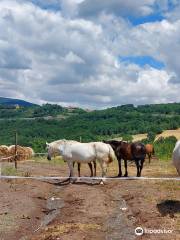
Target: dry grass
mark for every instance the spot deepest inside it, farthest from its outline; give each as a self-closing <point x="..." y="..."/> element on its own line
<point x="139" y="137"/>
<point x="165" y="134"/>
<point x="168" y="133"/>
<point x="7" y="223"/>
<point x="57" y="230"/>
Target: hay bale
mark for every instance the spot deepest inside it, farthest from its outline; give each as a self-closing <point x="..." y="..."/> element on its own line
<point x="23" y="153"/>
<point x="30" y="152"/>
<point x="4" y="151"/>
<point x="20" y="152"/>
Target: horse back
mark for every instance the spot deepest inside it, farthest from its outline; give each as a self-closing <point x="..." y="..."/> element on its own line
<point x="125" y="151"/>
<point x="149" y="148"/>
<point x="138" y="151"/>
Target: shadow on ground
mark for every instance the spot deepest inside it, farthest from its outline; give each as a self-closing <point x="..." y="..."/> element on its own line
<point x="169" y="207"/>
<point x="79" y="182"/>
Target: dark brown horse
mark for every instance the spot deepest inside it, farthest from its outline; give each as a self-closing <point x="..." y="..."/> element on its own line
<point x="129" y="151"/>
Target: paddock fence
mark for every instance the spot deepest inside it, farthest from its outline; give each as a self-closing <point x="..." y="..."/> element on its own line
<point x="40" y="157"/>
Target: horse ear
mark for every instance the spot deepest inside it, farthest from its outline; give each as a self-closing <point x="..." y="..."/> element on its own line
<point x="47" y="144"/>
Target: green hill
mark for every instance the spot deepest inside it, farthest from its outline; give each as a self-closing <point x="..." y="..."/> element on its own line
<point x="122" y="121"/>
<point x="13" y="102"/>
<point x="34" y="111"/>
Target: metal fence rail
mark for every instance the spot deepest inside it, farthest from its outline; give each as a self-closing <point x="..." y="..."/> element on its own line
<point x="91" y="178"/>
<point x="5" y="159"/>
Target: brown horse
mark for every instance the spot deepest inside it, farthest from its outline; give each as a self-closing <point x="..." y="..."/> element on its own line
<point x="149" y="151"/>
<point x="128" y="151"/>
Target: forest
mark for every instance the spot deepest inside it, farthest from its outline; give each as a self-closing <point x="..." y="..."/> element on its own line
<point x="37" y="124"/>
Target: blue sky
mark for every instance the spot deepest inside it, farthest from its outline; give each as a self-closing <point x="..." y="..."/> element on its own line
<point x="61" y="51"/>
<point x="142" y="61"/>
<point x="52" y="5"/>
<point x="145" y="19"/>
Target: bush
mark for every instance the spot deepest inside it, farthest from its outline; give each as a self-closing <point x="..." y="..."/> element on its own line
<point x="127" y="138"/>
<point x="164" y="147"/>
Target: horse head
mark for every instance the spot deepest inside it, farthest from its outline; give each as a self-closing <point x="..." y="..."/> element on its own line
<point x="114" y="143"/>
<point x="50" y="151"/>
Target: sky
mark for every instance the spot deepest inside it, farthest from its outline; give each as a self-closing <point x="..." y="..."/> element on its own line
<point x="90" y="53"/>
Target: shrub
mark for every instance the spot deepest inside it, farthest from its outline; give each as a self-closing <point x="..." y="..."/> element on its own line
<point x="164" y="147"/>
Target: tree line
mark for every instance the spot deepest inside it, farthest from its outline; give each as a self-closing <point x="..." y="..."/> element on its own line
<point x="122" y="121"/>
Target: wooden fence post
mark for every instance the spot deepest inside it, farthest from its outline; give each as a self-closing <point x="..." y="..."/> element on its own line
<point x="0" y="167"/>
<point x="15" y="158"/>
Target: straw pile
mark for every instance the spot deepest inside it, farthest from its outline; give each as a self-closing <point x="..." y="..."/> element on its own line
<point x="3" y="151"/>
<point x="23" y="153"/>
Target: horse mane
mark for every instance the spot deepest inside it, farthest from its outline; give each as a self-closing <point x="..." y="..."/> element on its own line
<point x="62" y="140"/>
<point x="57" y="141"/>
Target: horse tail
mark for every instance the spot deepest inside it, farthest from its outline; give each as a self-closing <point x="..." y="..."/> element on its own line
<point x="112" y="155"/>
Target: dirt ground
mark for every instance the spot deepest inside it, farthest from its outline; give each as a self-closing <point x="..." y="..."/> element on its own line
<point x="46" y="210"/>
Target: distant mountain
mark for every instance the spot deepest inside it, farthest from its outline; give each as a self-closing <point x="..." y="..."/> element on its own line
<point x="13" y="102"/>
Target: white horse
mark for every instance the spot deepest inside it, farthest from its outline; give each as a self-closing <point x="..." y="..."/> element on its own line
<point x="176" y="156"/>
<point x="53" y="149"/>
<point x="84" y="153"/>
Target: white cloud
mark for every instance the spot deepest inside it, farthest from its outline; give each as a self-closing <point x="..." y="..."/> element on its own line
<point x="73" y="58"/>
<point x="59" y="56"/>
<point x="120" y="7"/>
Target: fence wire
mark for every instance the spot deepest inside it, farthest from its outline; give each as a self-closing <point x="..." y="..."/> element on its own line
<point x="41" y="155"/>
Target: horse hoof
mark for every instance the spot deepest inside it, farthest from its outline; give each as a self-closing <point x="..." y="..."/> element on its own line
<point x="125" y="175"/>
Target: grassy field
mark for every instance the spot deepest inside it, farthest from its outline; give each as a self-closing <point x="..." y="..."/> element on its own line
<point x="164" y="134"/>
<point x="168" y="133"/>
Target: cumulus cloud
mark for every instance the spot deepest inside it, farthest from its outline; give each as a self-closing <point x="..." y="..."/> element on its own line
<point x="119" y="7"/>
<point x="67" y="52"/>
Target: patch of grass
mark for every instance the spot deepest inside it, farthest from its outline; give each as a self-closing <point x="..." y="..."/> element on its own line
<point x="55" y="160"/>
<point x="9" y="171"/>
<point x="168" y="133"/>
<point x="56" y="230"/>
<point x="164" y="147"/>
<point x="7" y="223"/>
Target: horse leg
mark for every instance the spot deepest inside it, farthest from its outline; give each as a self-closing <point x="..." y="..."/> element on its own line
<point x="90" y="166"/>
<point x="149" y="156"/>
<point x="125" y="165"/>
<point x="79" y="169"/>
<point x="105" y="166"/>
<point x="104" y="171"/>
<point x="71" y="169"/>
<point x="141" y="166"/>
<point x="137" y="166"/>
<point x="120" y="171"/>
<point x="94" y="162"/>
